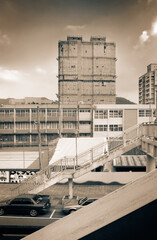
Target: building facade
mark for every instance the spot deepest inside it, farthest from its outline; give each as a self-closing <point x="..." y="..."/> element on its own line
<point x="111" y="120"/>
<point x="148" y="85"/>
<point x="86" y="71"/>
<point x="19" y="123"/>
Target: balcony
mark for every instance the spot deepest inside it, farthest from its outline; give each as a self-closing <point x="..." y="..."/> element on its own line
<point x="69" y="131"/>
<point x="22" y="131"/>
<point x="53" y="118"/>
<point x="22" y="119"/>
<point x="7" y="118"/>
<point x="69" y="118"/>
<point x="6" y="131"/>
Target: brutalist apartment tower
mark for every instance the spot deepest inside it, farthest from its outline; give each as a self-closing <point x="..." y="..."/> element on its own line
<point x="86" y="71"/>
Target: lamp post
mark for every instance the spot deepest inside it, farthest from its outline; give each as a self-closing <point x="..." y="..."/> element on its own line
<point x="39" y="138"/>
<point x="77" y="133"/>
<point x="77" y="130"/>
<point x="156" y="103"/>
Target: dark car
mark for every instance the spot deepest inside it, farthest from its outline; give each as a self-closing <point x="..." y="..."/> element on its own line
<point x="81" y="203"/>
<point x="31" y="204"/>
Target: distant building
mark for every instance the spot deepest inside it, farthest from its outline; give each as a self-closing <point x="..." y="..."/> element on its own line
<point x="87" y="71"/>
<point x="148" y="85"/>
<point x="19" y="123"/>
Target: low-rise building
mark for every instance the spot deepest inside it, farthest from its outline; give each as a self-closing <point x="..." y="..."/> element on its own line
<point x="19" y="123"/>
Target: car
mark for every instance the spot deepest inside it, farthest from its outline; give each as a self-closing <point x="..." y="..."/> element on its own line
<point x="32" y="204"/>
<point x="82" y="202"/>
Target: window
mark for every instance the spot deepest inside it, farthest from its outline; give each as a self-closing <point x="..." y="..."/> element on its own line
<point x="102" y="114"/>
<point x="52" y="125"/>
<point x="42" y="112"/>
<point x="43" y="125"/>
<point x="148" y="113"/>
<point x="34" y="112"/>
<point x="22" y="112"/>
<point x="34" y="125"/>
<point x="21" y="125"/>
<point x="69" y="112"/>
<point x="6" y="112"/>
<point x="26" y="201"/>
<point x="116" y="128"/>
<point x="85" y="110"/>
<point x="34" y="138"/>
<point x="69" y="125"/>
<point x="100" y="128"/>
<point x="116" y="113"/>
<point x="145" y="113"/>
<point x="7" y="138"/>
<point x="6" y="125"/>
<point x="22" y="138"/>
<point x="52" y="112"/>
<point x="17" y="201"/>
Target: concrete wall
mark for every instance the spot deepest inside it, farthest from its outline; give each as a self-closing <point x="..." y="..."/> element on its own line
<point x="108" y="177"/>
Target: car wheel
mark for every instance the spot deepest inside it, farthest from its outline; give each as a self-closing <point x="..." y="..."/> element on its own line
<point x="33" y="213"/>
<point x="1" y="211"/>
<point x="71" y="211"/>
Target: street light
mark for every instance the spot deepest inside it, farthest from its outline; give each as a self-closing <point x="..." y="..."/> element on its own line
<point x="77" y="131"/>
<point x="156" y="103"/>
<point x="39" y="138"/>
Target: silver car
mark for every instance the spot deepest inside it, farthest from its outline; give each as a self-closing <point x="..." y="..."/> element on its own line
<point x="81" y="203"/>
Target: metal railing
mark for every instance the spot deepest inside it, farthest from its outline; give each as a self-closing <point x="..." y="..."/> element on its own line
<point x="68" y="164"/>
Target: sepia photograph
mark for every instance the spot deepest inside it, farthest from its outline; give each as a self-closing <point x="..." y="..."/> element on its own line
<point x="78" y="119"/>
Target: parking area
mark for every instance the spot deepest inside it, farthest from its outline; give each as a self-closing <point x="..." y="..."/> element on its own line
<point x="20" y="224"/>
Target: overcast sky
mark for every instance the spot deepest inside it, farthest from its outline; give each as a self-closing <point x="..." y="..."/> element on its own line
<point x="30" y="31"/>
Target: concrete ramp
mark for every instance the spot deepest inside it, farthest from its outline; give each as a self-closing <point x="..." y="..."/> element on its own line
<point x="88" y="222"/>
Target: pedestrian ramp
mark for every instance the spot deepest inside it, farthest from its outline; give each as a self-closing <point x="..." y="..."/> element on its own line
<point x="127" y="213"/>
<point x="72" y="167"/>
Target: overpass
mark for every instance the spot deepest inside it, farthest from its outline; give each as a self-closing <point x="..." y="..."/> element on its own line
<point x="138" y="135"/>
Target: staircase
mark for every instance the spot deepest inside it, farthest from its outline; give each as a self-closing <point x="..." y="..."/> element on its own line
<point x="85" y="162"/>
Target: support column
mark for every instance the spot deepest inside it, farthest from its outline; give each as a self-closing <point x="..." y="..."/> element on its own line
<point x="70" y="183"/>
<point x="151" y="163"/>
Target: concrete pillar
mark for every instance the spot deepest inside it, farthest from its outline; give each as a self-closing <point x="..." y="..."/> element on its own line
<point x="70" y="182"/>
<point x="151" y="163"/>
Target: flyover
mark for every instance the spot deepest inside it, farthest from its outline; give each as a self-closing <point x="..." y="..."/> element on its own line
<point x="138" y="135"/>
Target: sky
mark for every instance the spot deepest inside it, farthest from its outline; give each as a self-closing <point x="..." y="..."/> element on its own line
<point x="30" y="31"/>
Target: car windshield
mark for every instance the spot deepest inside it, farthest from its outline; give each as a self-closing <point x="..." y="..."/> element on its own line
<point x="82" y="200"/>
<point x="37" y="198"/>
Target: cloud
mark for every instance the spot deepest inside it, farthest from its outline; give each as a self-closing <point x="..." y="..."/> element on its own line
<point x="75" y="27"/>
<point x="4" y="39"/>
<point x="9" y="75"/>
<point x="144" y="37"/>
<point x="40" y="70"/>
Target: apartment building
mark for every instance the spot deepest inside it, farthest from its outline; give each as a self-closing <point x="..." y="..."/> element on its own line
<point x="87" y="71"/>
<point x="19" y="123"/>
<point x="148" y="85"/>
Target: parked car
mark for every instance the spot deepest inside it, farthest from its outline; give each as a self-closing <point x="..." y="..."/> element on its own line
<point x="32" y="204"/>
<point x="81" y="203"/>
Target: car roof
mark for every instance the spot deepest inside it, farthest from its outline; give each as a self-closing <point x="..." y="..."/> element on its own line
<point x="26" y="196"/>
